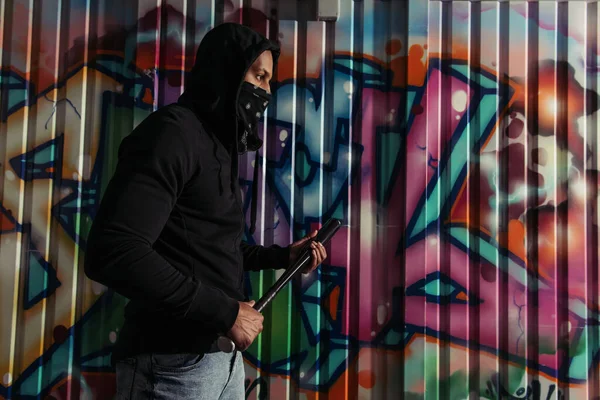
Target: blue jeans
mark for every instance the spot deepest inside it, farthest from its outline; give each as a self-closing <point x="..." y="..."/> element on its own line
<point x="212" y="376"/>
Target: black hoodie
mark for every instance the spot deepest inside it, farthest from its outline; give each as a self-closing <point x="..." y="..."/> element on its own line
<point x="168" y="232"/>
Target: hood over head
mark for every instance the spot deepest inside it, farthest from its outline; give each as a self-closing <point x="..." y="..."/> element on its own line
<point x="213" y="87"/>
<point x="222" y="60"/>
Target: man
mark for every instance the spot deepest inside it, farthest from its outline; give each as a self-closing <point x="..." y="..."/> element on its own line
<point x="168" y="233"/>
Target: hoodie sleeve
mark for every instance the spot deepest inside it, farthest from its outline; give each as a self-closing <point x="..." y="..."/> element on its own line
<point x="257" y="258"/>
<point x="155" y="162"/>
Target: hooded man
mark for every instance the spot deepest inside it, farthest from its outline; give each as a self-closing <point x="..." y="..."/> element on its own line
<point x="168" y="233"/>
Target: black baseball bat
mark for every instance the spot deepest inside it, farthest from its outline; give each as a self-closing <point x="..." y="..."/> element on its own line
<point x="324" y="235"/>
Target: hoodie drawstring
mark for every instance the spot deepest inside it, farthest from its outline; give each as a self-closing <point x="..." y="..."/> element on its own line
<point x="215" y="149"/>
<point x="254" y="196"/>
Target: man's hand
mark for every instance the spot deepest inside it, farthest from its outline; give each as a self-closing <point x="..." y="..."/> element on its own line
<point x="319" y="254"/>
<point x="247" y="326"/>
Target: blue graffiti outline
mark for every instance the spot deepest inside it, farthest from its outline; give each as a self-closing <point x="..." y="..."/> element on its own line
<point x="20" y="163"/>
<point x="504" y="355"/>
<point x="23" y="85"/>
<point x="51" y="285"/>
<point x="502" y="250"/>
<point x="417" y="289"/>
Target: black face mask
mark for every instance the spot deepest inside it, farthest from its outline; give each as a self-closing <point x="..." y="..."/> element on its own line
<point x="252" y="103"/>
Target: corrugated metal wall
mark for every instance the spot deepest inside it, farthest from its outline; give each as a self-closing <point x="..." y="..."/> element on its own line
<point x="458" y="141"/>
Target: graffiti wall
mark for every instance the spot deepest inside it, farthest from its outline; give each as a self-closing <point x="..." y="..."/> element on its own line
<point x="457" y="141"/>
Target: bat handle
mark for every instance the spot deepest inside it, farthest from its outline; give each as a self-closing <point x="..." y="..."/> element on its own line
<point x="225" y="344"/>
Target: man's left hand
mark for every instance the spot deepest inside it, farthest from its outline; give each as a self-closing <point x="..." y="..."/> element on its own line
<point x="318" y="252"/>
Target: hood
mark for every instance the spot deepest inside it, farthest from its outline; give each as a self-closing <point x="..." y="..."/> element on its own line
<point x="212" y="88"/>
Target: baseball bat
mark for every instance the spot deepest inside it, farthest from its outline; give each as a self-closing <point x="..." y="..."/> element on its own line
<point x="324" y="235"/>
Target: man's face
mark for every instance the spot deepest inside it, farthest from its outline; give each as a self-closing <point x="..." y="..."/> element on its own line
<point x="260" y="73"/>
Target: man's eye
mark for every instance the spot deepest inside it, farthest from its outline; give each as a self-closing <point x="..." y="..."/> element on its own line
<point x="259" y="77"/>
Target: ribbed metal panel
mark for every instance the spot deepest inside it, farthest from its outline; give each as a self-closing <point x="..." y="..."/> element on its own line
<point x="458" y="142"/>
